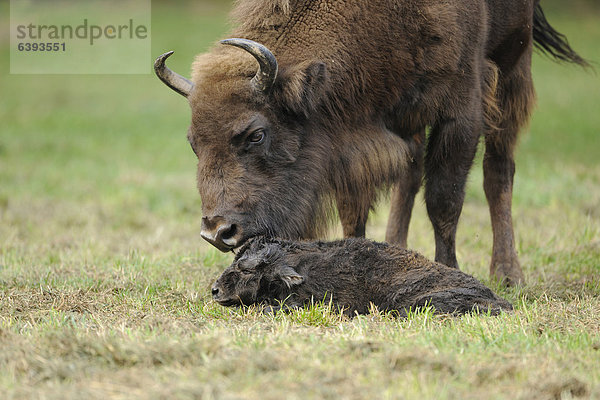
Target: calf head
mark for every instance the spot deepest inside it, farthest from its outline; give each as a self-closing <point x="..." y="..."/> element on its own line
<point x="259" y="169"/>
<point x="258" y="274"/>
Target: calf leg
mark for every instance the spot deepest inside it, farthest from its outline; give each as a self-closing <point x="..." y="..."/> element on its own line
<point x="450" y="151"/>
<point x="404" y="192"/>
<point x="516" y="98"/>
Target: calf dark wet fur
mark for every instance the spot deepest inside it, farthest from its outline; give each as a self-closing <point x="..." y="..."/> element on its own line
<point x="353" y="275"/>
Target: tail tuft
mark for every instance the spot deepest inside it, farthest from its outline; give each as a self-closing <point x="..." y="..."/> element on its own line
<point x="551" y="42"/>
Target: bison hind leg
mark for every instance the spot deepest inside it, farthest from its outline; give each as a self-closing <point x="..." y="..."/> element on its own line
<point x="516" y="98"/>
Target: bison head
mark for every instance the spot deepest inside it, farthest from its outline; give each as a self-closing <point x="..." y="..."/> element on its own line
<point x="259" y="172"/>
<point x="258" y="274"/>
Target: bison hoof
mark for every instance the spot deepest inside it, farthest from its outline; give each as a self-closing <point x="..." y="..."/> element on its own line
<point x="507" y="273"/>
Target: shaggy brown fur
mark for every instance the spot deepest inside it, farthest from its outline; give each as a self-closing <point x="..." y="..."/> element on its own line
<point x="353" y="274"/>
<point x="358" y="84"/>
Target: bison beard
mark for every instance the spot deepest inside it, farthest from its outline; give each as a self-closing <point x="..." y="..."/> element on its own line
<point x="353" y="275"/>
<point x="338" y="108"/>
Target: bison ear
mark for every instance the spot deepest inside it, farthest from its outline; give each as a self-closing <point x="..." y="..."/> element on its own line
<point x="290" y="277"/>
<point x="301" y="87"/>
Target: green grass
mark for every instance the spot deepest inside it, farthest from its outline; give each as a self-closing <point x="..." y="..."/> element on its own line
<point x="104" y="279"/>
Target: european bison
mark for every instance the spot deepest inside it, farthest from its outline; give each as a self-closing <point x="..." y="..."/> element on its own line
<point x="352" y="274"/>
<point x="339" y="107"/>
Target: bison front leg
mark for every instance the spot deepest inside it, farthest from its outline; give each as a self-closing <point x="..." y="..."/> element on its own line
<point x="450" y="151"/>
<point x="353" y="210"/>
<point x="404" y="192"/>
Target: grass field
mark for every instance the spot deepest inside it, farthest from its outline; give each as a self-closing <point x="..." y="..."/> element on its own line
<point x="104" y="279"/>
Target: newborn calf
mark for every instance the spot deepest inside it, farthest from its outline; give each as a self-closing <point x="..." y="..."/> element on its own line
<point x="350" y="273"/>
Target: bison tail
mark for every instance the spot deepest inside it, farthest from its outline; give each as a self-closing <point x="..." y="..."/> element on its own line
<point x="551" y="42"/>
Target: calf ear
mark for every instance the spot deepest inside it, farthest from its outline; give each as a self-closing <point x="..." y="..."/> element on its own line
<point x="302" y="87"/>
<point x="290" y="277"/>
<point x="259" y="255"/>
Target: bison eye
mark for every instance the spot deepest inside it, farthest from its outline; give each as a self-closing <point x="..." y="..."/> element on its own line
<point x="257" y="137"/>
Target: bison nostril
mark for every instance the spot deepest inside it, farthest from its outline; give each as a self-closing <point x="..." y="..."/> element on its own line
<point x="219" y="233"/>
<point x="227" y="233"/>
<point x="215" y="291"/>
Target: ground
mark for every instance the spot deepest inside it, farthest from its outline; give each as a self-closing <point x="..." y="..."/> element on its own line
<point x="104" y="279"/>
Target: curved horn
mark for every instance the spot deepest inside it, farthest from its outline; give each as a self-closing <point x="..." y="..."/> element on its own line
<point x="173" y="80"/>
<point x="267" y="73"/>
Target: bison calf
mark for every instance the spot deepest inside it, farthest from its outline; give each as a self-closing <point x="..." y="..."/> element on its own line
<point x="352" y="274"/>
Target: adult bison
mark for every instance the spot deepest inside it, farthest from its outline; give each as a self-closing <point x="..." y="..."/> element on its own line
<point x="339" y="107"/>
